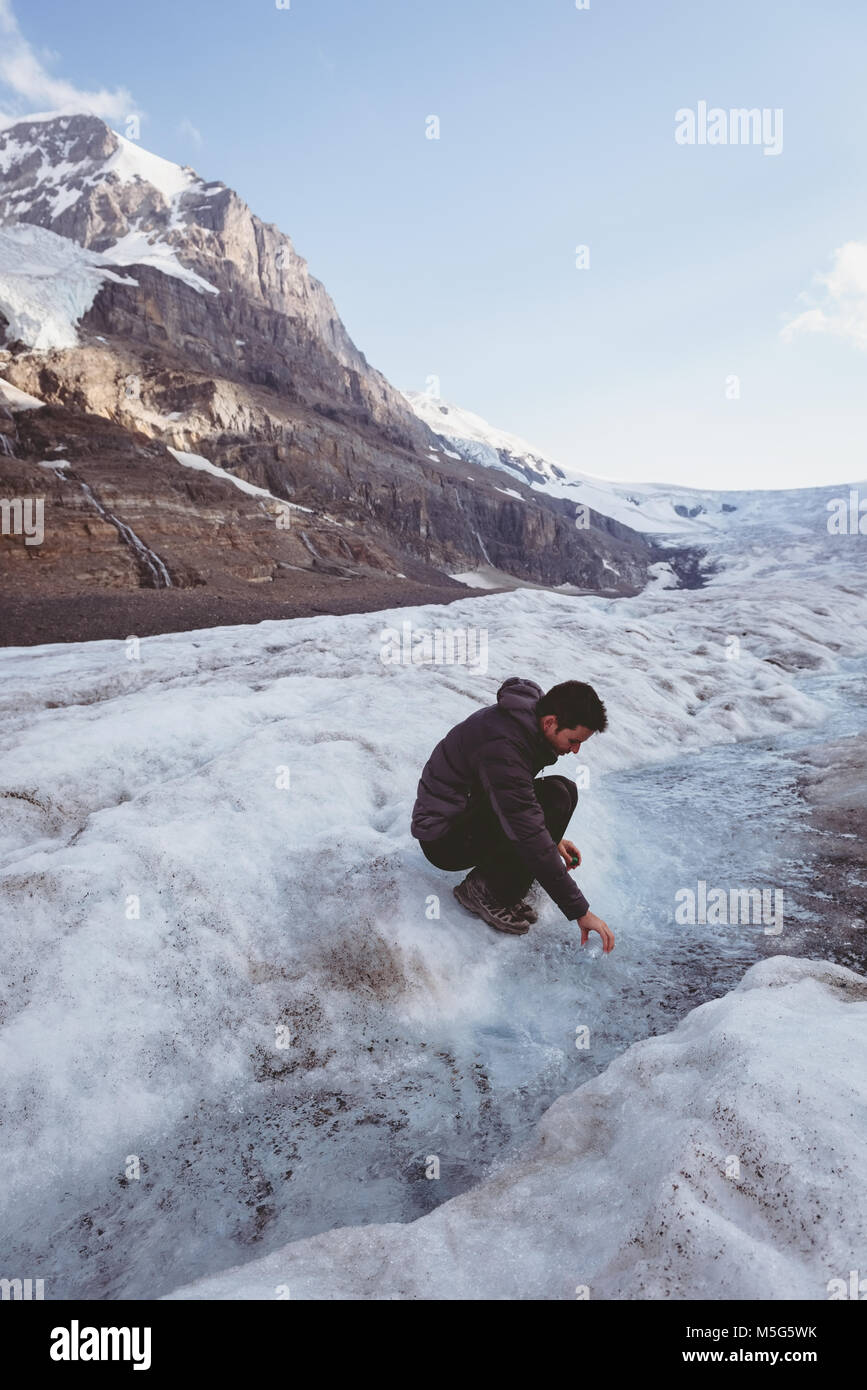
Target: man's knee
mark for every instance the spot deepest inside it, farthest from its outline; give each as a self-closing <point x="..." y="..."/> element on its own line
<point x="563" y="794"/>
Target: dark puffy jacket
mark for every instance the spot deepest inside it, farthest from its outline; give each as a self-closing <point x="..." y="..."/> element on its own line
<point x="497" y="752"/>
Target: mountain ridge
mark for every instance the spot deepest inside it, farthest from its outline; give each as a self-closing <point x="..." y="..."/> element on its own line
<point x="134" y="291"/>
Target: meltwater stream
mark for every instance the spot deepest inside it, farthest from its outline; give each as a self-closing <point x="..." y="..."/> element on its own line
<point x="300" y="1151"/>
<point x="147" y="558"/>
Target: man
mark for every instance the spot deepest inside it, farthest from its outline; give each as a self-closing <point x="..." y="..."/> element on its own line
<point x="480" y="804"/>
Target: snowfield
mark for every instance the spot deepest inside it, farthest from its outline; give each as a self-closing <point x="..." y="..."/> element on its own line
<point x="203" y="465"/>
<point x="475" y="439"/>
<point x="656" y="509"/>
<point x="713" y="1162"/>
<point x="240" y="1009"/>
<point x="46" y="284"/>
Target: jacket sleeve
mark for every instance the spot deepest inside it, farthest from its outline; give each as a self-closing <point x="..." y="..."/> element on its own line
<point x="508" y="784"/>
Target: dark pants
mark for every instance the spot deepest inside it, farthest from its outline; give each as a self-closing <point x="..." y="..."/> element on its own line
<point x="476" y="839"/>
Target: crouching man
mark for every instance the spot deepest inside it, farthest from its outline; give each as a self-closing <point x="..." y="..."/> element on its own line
<point x="480" y="805"/>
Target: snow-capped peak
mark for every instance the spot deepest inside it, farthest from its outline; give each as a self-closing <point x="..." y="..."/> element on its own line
<point x="76" y="197"/>
<point x="78" y="179"/>
<point x="49" y="163"/>
<point x="652" y="508"/>
<point x="475" y="440"/>
<point x="130" y="161"/>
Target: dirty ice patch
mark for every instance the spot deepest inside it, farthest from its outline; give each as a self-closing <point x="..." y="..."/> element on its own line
<point x="716" y="1161"/>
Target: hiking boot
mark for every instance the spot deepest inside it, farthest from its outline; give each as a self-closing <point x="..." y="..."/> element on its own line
<point x="474" y="895"/>
<point x="523" y="909"/>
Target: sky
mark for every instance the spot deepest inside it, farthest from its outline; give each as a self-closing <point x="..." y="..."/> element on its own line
<point x="714" y="331"/>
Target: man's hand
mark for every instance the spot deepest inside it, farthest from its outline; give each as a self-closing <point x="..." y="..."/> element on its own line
<point x="571" y="853"/>
<point x="590" y="922"/>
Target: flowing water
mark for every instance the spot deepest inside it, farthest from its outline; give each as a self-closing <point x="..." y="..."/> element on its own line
<point x="148" y="558"/>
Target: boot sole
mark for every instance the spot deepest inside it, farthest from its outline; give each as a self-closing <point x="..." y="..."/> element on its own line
<point x="479" y="910"/>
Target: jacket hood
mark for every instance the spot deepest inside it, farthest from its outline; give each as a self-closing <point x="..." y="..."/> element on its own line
<point x="516" y="694"/>
<point x="519" y="697"/>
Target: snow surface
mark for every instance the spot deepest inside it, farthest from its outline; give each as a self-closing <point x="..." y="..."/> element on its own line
<point x="46" y="284"/>
<point x="662" y="575"/>
<point x="713" y="1162"/>
<point x="64" y="183"/>
<point x="141" y="248"/>
<point x="656" y="509"/>
<point x="15" y="399"/>
<point x="205" y="839"/>
<point x="478" y="579"/>
<point x="475" y="439"/>
<point x="8" y="119"/>
<point x="131" y="161"/>
<point x="199" y="462"/>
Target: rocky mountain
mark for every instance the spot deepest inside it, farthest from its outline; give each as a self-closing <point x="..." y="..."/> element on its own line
<point x="152" y="317"/>
<point x="478" y="442"/>
<point x="652" y="508"/>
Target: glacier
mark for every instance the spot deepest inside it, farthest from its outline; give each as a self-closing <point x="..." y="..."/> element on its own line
<point x="241" y="1013"/>
<point x="676" y="1174"/>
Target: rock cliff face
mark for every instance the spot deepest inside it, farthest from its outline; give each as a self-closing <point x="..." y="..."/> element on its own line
<point x="207" y="335"/>
<point x="256" y="313"/>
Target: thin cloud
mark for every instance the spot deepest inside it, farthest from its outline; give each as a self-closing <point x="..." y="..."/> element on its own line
<point x="842" y="311"/>
<point x="23" y="72"/>
<point x="191" y="132"/>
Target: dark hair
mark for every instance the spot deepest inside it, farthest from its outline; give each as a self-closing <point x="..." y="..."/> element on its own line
<point x="574" y="703"/>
